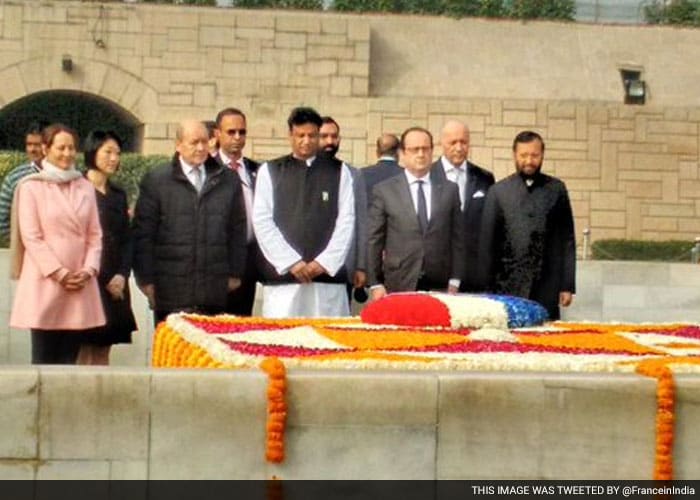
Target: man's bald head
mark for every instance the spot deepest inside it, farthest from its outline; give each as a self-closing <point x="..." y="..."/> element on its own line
<point x="191" y="141"/>
<point x="387" y="145"/>
<point x="188" y="126"/>
<point x="454" y="139"/>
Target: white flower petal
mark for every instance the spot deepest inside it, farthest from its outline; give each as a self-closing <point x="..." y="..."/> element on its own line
<point x="300" y="336"/>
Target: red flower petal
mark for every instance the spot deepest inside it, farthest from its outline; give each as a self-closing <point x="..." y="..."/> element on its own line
<point x="407" y="309"/>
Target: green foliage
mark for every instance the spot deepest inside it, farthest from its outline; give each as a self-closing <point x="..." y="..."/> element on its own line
<point x="543" y="9"/>
<point x="518" y="9"/>
<point x="666" y="251"/>
<point x="521" y="9"/>
<point x="9" y="160"/>
<point x="679" y="12"/>
<point x="368" y="5"/>
<point x="132" y="168"/>
<point x="280" y="4"/>
<point x="185" y="2"/>
<point x="493" y="8"/>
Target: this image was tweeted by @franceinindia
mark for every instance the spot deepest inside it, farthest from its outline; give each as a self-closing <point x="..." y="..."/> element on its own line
<point x="568" y="489"/>
<point x="276" y="489"/>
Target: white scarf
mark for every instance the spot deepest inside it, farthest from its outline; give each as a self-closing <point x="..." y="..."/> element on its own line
<point x="52" y="173"/>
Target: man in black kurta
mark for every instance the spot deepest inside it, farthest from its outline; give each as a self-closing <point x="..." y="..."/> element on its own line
<point x="527" y="242"/>
<point x="304" y="218"/>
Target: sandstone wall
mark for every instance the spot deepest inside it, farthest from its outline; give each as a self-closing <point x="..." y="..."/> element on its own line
<point x="632" y="170"/>
<point x="83" y="423"/>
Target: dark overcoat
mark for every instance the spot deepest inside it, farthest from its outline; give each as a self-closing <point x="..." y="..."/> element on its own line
<point x="528" y="247"/>
<point x="479" y="181"/>
<point x="189" y="244"/>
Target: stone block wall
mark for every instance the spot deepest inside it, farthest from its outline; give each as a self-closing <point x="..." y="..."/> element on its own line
<point x="92" y="423"/>
<point x="632" y="170"/>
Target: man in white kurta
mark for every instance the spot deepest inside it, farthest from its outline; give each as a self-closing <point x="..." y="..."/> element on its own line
<point x="301" y="197"/>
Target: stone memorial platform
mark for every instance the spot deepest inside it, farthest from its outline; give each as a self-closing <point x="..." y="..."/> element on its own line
<point x="135" y="423"/>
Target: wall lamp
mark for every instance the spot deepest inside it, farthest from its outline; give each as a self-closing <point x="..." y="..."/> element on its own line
<point x="67" y="63"/>
<point x="635" y="87"/>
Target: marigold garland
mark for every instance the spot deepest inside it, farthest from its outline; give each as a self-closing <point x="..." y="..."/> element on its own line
<point x="276" y="408"/>
<point x="665" y="405"/>
<point x="171" y="350"/>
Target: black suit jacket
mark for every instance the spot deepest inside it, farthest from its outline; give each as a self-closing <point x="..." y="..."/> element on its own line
<point x="381" y="171"/>
<point x="251" y="167"/>
<point x="479" y="181"/>
<point x="241" y="301"/>
<point x="398" y="247"/>
<point x="528" y="246"/>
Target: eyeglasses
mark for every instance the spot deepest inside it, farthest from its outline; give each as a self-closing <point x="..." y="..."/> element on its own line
<point x="234" y="131"/>
<point x="418" y="149"/>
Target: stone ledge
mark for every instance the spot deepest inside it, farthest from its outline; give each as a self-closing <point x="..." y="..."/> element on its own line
<point x="211" y="424"/>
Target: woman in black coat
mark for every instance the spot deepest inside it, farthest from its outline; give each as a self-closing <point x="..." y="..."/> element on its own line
<point x="102" y="155"/>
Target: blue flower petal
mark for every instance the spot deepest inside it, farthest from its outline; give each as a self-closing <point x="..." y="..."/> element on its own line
<point x="521" y="312"/>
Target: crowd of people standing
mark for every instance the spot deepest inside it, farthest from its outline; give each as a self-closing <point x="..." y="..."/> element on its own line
<point x="315" y="231"/>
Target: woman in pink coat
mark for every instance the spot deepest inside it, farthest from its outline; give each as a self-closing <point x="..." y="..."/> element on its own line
<point x="56" y="246"/>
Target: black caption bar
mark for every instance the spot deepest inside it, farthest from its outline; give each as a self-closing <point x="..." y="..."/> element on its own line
<point x="345" y="490"/>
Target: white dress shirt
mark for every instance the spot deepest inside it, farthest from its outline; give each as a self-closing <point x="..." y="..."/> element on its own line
<point x="309" y="299"/>
<point x="188" y="170"/>
<point x="413" y="186"/>
<point x="458" y="175"/>
<point x="427" y="191"/>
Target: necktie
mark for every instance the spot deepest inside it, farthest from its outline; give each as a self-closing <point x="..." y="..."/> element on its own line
<point x="197" y="174"/>
<point x="422" y="208"/>
<point x="462" y="185"/>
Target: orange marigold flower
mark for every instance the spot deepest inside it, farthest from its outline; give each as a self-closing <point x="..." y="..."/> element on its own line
<point x="276" y="408"/>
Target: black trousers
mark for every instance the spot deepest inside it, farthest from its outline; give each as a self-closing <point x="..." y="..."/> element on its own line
<point x="240" y="302"/>
<point x="425" y="284"/>
<point x="55" y="347"/>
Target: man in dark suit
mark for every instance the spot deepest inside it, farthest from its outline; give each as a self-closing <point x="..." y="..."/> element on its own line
<point x="387" y="166"/>
<point x="231" y="132"/>
<point x="415" y="226"/>
<point x="527" y="240"/>
<point x="473" y="183"/>
<point x="356" y="261"/>
<point x="189" y="230"/>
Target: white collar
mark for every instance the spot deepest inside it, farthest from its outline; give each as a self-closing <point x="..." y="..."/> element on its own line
<point x="447" y="165"/>
<point x="308" y="161"/>
<point x="187" y="168"/>
<point x="412" y="178"/>
<point x="226" y="160"/>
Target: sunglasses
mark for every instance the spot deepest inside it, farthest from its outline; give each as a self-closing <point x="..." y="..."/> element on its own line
<point x="234" y="131"/>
